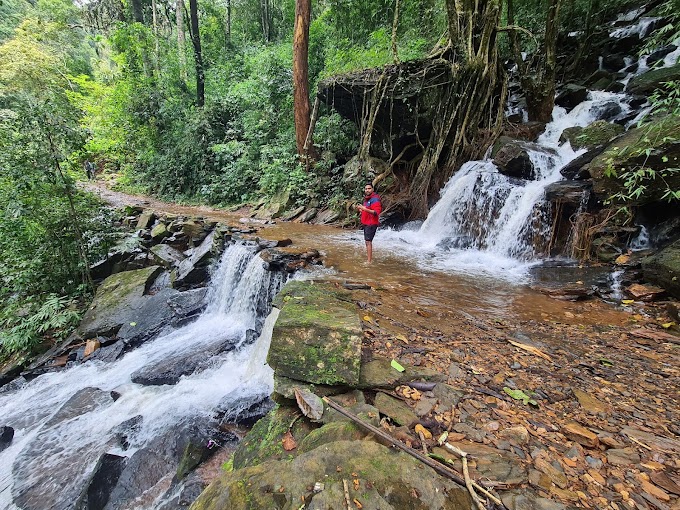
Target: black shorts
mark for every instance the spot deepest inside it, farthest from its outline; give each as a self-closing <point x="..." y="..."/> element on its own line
<point x="369" y="232"/>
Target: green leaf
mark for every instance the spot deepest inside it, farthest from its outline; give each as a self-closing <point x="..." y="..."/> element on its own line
<point x="397" y="366"/>
<point x="520" y="395"/>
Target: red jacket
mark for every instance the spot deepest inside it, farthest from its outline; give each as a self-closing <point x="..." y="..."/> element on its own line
<point x="373" y="203"/>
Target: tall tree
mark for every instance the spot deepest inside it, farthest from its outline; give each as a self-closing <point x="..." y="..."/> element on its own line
<point x="301" y="106"/>
<point x="179" y="15"/>
<point x="198" y="59"/>
<point x="537" y="74"/>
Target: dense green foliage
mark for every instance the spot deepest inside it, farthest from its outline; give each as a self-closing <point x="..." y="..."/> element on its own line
<point x="114" y="83"/>
<point x="49" y="232"/>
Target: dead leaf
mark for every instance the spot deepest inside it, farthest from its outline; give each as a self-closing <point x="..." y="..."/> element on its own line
<point x="422" y="430"/>
<point x="356" y="484"/>
<point x="359" y="505"/>
<point x="423" y="313"/>
<point x="310" y="405"/>
<point x="289" y="442"/>
<point x="402" y="338"/>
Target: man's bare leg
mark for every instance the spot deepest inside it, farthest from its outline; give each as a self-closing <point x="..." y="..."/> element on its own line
<point x="369" y="251"/>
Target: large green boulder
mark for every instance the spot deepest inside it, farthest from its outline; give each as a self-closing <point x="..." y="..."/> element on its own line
<point x="598" y="133"/>
<point x="317" y="337"/>
<point x="652" y="149"/>
<point x="663" y="268"/>
<point x="117" y="301"/>
<point x="646" y="83"/>
<point x="378" y="478"/>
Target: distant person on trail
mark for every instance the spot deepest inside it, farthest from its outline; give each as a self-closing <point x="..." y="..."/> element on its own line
<point x="370" y="218"/>
<point x="90" y="168"/>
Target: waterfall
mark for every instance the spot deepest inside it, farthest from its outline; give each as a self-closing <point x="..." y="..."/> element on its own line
<point x="52" y="455"/>
<point x="488" y="223"/>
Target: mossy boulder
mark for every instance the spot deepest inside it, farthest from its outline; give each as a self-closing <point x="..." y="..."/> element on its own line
<point x="336" y="431"/>
<point x="379" y="373"/>
<point x="263" y="442"/>
<point x="663" y="268"/>
<point x="653" y="147"/>
<point x="596" y="134"/>
<point x="317" y="337"/>
<point x="385" y="479"/>
<point x="646" y="83"/>
<point x="117" y="301"/>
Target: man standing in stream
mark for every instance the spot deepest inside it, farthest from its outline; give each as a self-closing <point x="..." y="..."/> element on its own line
<point x="370" y="218"/>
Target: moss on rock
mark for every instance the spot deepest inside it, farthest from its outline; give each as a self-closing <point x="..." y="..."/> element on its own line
<point x="317" y="337"/>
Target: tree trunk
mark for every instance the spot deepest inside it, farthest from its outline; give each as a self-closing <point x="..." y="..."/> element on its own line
<point x="265" y="13"/>
<point x="179" y="15"/>
<point x="137" y="12"/>
<point x="228" y="22"/>
<point x="196" y="40"/>
<point x="301" y="104"/>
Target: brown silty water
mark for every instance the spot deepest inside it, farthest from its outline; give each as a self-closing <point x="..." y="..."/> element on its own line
<point x="434" y="300"/>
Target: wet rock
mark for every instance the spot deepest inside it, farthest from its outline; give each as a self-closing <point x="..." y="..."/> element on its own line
<point x="380" y="374"/>
<point x="517" y="434"/>
<point x="659" y="54"/>
<point x="489" y="463"/>
<point x="575" y="169"/>
<point x="645" y="292"/>
<point x="385" y="479"/>
<point x="622" y="456"/>
<point x="146" y="219"/>
<point x="108" y="354"/>
<point x="663" y="268"/>
<point x="512" y="158"/>
<point x="568" y="192"/>
<point x="646" y="83"/>
<point x="525" y="500"/>
<point x="273" y="243"/>
<point x="157" y="460"/>
<point x="167" y="256"/>
<point x="243" y="410"/>
<point x="326" y="217"/>
<point x="576" y="432"/>
<point x="192" y="271"/>
<point x="317" y="336"/>
<point x="570" y="96"/>
<point x="116" y="302"/>
<point x="171" y="369"/>
<point x="470" y="432"/>
<point x="6" y="436"/>
<point x="152" y="315"/>
<point x="101" y="483"/>
<point x="307" y="215"/>
<point x="447" y="395"/>
<point x="589" y="403"/>
<point x="592" y="136"/>
<point x="398" y="411"/>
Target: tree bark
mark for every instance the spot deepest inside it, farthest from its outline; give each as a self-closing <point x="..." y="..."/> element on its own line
<point x="137" y="12"/>
<point x="181" y="40"/>
<point x="196" y="40"/>
<point x="301" y="104"/>
<point x="228" y="22"/>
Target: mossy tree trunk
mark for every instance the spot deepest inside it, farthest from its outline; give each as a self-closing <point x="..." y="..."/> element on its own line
<point x="537" y="75"/>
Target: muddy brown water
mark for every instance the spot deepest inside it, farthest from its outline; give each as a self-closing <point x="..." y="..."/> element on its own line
<point x="433" y="295"/>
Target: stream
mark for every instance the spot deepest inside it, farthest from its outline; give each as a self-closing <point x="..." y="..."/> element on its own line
<point x="474" y="255"/>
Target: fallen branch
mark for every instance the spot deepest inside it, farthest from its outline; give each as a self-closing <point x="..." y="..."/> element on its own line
<point x="345" y="485"/>
<point x="466" y="474"/>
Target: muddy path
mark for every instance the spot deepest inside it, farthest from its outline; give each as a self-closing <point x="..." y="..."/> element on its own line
<point x="600" y="425"/>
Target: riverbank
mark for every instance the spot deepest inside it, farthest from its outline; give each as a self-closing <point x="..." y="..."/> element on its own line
<point x="601" y="428"/>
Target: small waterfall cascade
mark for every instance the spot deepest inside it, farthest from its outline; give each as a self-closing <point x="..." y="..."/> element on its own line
<point x="482" y="209"/>
<point x="57" y="445"/>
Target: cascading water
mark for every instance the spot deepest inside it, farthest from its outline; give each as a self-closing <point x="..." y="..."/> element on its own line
<point x="57" y="443"/>
<point x="486" y="222"/>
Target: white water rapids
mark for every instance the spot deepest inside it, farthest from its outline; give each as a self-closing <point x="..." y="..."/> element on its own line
<point x="67" y="451"/>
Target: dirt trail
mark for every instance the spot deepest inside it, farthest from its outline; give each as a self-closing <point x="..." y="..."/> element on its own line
<point x="602" y="430"/>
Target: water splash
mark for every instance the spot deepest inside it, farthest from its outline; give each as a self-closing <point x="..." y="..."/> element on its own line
<point x="69" y="449"/>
